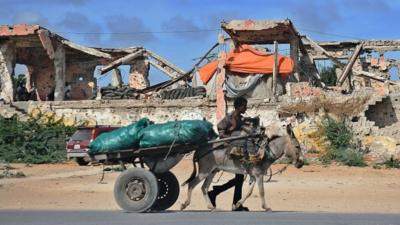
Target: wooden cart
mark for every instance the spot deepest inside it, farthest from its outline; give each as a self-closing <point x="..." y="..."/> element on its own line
<point x="149" y="185"/>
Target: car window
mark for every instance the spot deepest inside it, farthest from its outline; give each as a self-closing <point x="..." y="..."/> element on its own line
<point x="80" y="135"/>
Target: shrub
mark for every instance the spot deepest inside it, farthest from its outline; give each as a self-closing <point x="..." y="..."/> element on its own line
<point x="33" y="141"/>
<point x="337" y="132"/>
<point x="342" y="151"/>
<point x="389" y="163"/>
<point x="392" y="163"/>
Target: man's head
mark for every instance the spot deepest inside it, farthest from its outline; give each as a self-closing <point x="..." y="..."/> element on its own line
<point x="240" y="104"/>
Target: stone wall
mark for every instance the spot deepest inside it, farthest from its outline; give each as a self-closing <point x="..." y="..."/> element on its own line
<point x="123" y="112"/>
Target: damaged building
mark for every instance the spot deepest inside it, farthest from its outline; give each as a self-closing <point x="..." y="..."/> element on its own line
<point x="54" y="63"/>
<point x="365" y="92"/>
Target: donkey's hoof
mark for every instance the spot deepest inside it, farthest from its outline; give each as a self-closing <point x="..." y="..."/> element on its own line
<point x="268" y="209"/>
<point x="239" y="207"/>
<point x="183" y="206"/>
<point x="211" y="207"/>
<point x="215" y="210"/>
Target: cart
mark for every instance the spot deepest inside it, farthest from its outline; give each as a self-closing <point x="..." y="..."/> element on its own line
<point x="155" y="188"/>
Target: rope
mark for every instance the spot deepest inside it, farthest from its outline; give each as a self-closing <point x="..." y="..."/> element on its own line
<point x="219" y="178"/>
<point x="281" y="170"/>
<point x="102" y="176"/>
<point x="170" y="148"/>
<point x="173" y="143"/>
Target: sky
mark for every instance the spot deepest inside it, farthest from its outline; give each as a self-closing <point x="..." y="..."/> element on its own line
<point x="183" y="30"/>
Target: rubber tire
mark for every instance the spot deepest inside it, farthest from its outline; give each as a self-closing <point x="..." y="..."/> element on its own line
<point x="151" y="187"/>
<point x="175" y="93"/>
<point x="200" y="90"/>
<point x="167" y="94"/>
<point x="162" y="95"/>
<point x="168" y="191"/>
<point x="81" y="161"/>
<point x="182" y="93"/>
<point x="191" y="92"/>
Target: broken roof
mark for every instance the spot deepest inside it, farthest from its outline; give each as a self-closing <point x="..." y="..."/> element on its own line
<point x="40" y="42"/>
<point x="260" y="31"/>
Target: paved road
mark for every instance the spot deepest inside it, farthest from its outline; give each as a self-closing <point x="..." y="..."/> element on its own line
<point x="21" y="217"/>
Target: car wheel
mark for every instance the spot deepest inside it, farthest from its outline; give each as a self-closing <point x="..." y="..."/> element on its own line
<point x="81" y="161"/>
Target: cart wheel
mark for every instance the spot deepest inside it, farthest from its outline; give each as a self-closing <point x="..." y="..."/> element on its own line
<point x="168" y="191"/>
<point x="268" y="175"/>
<point x="136" y="190"/>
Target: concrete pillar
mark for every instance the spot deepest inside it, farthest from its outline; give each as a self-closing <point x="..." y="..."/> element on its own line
<point x="7" y="65"/>
<point x="116" y="79"/>
<point x="294" y="54"/>
<point x="92" y="82"/>
<point x="29" y="77"/>
<point x="221" y="101"/>
<point x="139" y="74"/>
<point x="59" y="66"/>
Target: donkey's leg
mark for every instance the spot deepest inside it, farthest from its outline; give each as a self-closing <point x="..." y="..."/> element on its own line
<point x="191" y="185"/>
<point x="260" y="184"/>
<point x="241" y="201"/>
<point x="205" y="187"/>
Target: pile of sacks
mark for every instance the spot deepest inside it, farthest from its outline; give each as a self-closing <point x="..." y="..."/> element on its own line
<point x="145" y="134"/>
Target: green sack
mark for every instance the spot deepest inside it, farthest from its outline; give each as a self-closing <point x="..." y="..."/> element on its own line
<point x="178" y="132"/>
<point x="123" y="138"/>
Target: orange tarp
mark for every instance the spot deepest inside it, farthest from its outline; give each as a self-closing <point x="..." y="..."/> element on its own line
<point x="247" y="59"/>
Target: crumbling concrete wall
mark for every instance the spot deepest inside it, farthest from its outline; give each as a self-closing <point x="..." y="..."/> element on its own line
<point x="382" y="113"/>
<point x="43" y="79"/>
<point x="302" y="89"/>
<point x="139" y="74"/>
<point x="7" y="64"/>
<point x="79" y="77"/>
<point x="374" y="58"/>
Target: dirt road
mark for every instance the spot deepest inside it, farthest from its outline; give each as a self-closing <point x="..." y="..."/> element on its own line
<point x="310" y="189"/>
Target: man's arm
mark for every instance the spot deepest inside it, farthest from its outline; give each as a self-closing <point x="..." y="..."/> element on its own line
<point x="233" y="124"/>
<point x="225" y="132"/>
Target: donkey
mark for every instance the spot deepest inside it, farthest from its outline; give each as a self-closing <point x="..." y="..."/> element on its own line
<point x="211" y="160"/>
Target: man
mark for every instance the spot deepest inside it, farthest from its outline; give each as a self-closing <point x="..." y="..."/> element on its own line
<point x="67" y="91"/>
<point x="231" y="126"/>
<point x="21" y="92"/>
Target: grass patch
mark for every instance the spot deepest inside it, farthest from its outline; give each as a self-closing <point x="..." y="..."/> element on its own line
<point x="390" y="163"/>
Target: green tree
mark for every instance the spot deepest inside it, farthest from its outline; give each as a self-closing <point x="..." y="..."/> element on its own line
<point x="328" y="75"/>
<point x="19" y="79"/>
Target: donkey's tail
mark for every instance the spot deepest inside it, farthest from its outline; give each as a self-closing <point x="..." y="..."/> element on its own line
<point x="193" y="175"/>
